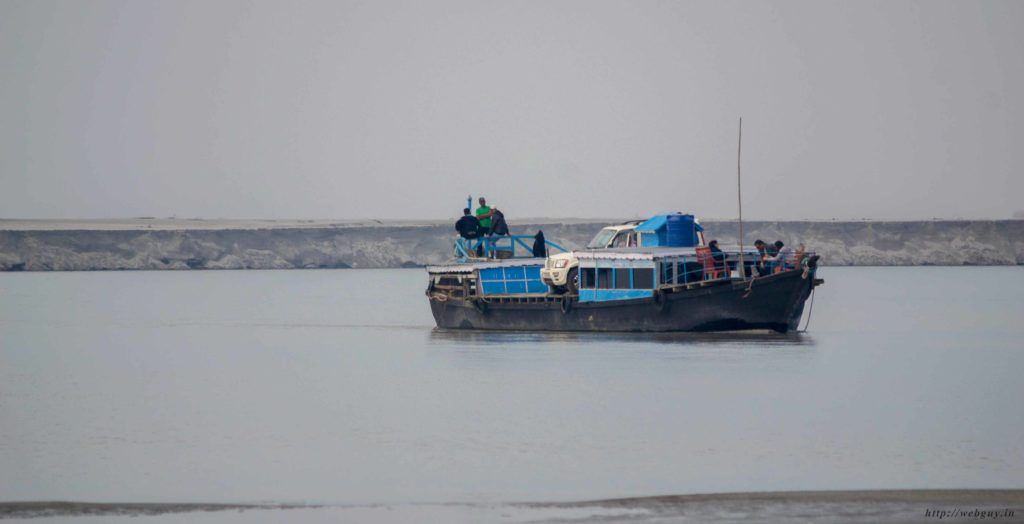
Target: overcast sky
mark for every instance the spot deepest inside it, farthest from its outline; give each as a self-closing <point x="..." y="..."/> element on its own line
<point x="339" y="109"/>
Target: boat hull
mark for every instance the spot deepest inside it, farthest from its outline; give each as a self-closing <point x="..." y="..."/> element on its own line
<point x="774" y="302"/>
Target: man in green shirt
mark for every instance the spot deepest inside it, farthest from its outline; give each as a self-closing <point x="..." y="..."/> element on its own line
<point x="483" y="214"/>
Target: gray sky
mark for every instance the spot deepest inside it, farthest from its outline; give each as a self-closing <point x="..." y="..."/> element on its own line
<point x="400" y="109"/>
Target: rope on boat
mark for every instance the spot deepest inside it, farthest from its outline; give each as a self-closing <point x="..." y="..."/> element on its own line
<point x="810" y="311"/>
<point x="750" y="287"/>
<point x="439" y="297"/>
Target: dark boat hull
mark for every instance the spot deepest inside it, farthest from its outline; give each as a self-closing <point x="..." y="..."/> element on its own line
<point x="774" y="302"/>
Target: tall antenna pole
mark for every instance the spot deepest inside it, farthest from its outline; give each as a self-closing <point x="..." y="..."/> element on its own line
<point x="739" y="199"/>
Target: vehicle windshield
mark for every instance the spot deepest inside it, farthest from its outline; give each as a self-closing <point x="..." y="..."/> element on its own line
<point x="601" y="240"/>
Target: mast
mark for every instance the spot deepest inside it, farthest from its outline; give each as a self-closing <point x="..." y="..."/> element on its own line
<point x="739" y="199"/>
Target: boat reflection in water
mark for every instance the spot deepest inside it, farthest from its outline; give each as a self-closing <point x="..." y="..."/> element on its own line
<point x="644" y="340"/>
<point x="652" y="276"/>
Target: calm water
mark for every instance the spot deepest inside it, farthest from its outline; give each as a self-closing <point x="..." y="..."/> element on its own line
<point x="333" y="386"/>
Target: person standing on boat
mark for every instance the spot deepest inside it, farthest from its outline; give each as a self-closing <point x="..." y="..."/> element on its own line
<point x="540" y="249"/>
<point x="483" y="214"/>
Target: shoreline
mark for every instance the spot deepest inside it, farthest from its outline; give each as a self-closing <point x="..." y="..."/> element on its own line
<point x="835" y="506"/>
<point x="245" y="224"/>
<point x="177" y="245"/>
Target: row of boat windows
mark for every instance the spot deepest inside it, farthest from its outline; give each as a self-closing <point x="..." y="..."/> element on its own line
<point x="616" y="278"/>
<point x="642" y="278"/>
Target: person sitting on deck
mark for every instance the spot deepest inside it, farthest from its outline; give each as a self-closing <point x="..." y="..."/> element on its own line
<point x="496" y="219"/>
<point x="717" y="254"/>
<point x="798" y="257"/>
<point x="782" y="257"/>
<point x="762" y="254"/>
<point x="498" y="225"/>
<point x="468" y="226"/>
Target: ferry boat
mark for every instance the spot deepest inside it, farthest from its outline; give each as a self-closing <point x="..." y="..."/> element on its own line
<point x="654" y="275"/>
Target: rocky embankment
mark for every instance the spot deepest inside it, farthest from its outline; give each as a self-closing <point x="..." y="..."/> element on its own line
<point x="39" y="246"/>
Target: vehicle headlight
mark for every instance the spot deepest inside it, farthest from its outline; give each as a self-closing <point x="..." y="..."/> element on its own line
<point x="559" y="264"/>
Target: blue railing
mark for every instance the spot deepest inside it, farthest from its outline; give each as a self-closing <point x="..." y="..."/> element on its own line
<point x="689" y="269"/>
<point x="499" y="247"/>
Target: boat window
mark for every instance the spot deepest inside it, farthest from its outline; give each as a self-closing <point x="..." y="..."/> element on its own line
<point x="643" y="278"/>
<point x="601" y="240"/>
<point x="620" y="239"/>
<point x="622" y="278"/>
<point x="604" y="278"/>
<point x="587" y="278"/>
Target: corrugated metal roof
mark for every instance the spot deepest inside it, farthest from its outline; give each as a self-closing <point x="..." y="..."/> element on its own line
<point x="467" y="267"/>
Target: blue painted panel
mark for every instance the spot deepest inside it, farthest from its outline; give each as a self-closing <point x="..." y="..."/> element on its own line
<point x="493" y="288"/>
<point x="515" y="286"/>
<point x="512" y="280"/>
<point x="514" y="273"/>
<point x="493" y="273"/>
<point x="536" y="286"/>
<point x="604" y="295"/>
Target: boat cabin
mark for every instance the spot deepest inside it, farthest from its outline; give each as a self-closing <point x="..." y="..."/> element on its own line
<point x="665" y="230"/>
<point x="622" y="274"/>
<point x="604" y="275"/>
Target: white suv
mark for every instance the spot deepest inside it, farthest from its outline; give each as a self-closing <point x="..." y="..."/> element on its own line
<point x="560" y="270"/>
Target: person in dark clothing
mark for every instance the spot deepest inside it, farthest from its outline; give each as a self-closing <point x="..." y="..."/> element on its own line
<point x="760" y="246"/>
<point x="540" y="250"/>
<point x="762" y="254"/>
<point x="717" y="254"/>
<point x="468" y="226"/>
<point x="498" y="225"/>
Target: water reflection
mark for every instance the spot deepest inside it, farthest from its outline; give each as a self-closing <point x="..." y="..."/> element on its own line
<point x="733" y="338"/>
